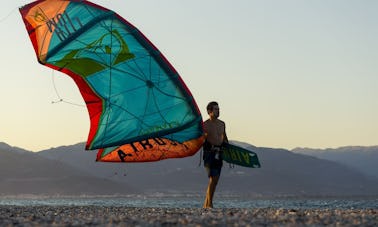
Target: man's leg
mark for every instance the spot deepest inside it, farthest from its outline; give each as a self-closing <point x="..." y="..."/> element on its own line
<point x="213" y="180"/>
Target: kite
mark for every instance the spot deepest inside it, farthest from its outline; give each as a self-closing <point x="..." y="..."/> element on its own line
<point x="139" y="107"/>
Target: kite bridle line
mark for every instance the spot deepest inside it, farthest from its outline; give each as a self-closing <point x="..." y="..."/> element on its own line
<point x="60" y="99"/>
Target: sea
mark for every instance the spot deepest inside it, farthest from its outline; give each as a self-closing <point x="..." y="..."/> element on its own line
<point x="196" y="202"/>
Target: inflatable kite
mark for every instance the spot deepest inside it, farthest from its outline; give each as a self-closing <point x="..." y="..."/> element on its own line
<point x="139" y="107"/>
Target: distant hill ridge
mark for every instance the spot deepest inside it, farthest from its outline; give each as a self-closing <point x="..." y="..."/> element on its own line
<point x="72" y="170"/>
<point x="7" y="147"/>
<point x="344" y="148"/>
<point x="361" y="158"/>
<point x="28" y="173"/>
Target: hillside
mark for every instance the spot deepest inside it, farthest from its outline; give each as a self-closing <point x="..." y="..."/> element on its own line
<point x="282" y="173"/>
<point x="70" y="170"/>
<point x="23" y="172"/>
<point x="363" y="159"/>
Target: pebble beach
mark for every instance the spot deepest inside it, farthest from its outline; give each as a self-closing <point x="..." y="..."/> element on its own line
<point x="134" y="216"/>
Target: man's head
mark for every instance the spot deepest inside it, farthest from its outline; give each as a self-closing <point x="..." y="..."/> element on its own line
<point x="213" y="109"/>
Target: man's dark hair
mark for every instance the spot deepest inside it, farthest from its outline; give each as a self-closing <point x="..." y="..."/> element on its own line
<point x="211" y="105"/>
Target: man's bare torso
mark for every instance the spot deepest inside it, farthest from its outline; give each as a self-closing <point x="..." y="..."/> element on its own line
<point x="215" y="131"/>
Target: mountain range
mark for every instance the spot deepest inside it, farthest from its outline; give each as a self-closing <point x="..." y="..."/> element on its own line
<point x="363" y="159"/>
<point x="27" y="173"/>
<point x="70" y="170"/>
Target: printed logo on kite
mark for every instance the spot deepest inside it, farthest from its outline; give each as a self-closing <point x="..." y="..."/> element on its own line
<point x="153" y="149"/>
<point x="62" y="25"/>
<point x="82" y="62"/>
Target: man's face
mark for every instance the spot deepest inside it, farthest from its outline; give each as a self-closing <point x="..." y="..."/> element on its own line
<point x="215" y="112"/>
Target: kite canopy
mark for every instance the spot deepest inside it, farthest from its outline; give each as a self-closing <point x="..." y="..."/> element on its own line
<point x="134" y="96"/>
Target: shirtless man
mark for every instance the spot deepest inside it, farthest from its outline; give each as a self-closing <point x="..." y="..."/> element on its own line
<point x="215" y="132"/>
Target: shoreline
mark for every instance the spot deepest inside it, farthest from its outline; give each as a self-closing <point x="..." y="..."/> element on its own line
<point x="200" y="194"/>
<point x="94" y="215"/>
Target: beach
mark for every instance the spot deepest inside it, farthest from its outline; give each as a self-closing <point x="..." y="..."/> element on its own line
<point x="138" y="216"/>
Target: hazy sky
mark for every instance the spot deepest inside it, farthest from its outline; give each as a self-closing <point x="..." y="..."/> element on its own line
<point x="287" y="73"/>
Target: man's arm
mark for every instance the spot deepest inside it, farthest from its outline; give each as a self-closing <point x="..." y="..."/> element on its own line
<point x="225" y="139"/>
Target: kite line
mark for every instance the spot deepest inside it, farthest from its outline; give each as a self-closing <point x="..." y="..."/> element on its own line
<point x="60" y="99"/>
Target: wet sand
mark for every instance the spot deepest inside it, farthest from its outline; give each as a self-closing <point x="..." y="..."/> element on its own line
<point x="133" y="216"/>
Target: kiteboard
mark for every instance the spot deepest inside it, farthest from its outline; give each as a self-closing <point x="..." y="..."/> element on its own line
<point x="240" y="156"/>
